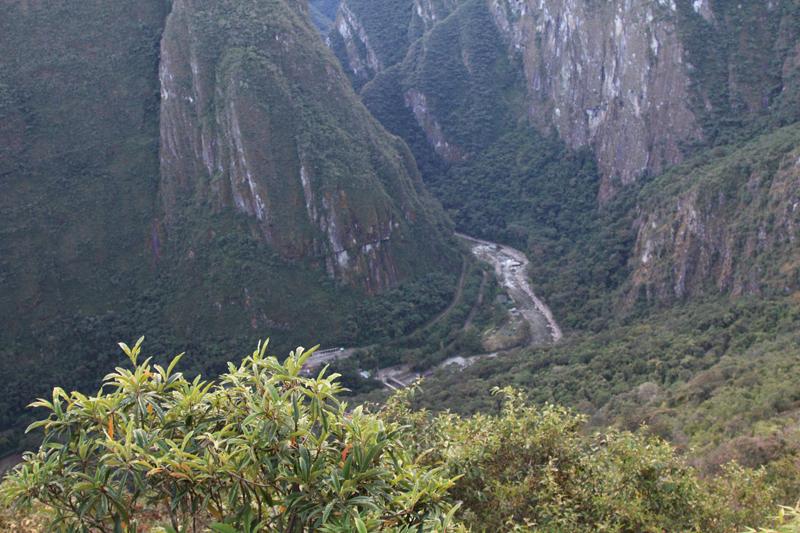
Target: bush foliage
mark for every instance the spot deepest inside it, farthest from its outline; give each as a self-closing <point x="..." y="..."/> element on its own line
<point x="262" y="449"/>
<point x="265" y="448"/>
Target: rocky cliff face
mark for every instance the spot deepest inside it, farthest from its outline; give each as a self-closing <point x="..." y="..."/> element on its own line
<point x="257" y="117"/>
<point x="608" y="75"/>
<point x="727" y="224"/>
<point x="640" y="82"/>
<point x="199" y="170"/>
<point x="456" y="86"/>
<point x="370" y="36"/>
<point x="141" y="142"/>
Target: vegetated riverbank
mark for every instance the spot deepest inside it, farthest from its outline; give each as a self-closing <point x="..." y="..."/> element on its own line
<point x="511" y="268"/>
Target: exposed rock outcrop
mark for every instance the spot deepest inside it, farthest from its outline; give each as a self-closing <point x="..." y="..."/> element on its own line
<point x="362" y="60"/>
<point x="640" y="82"/>
<point x="609" y="75"/>
<point x="257" y="117"/>
<point x="732" y="227"/>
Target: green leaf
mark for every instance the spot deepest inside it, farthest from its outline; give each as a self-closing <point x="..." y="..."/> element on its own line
<point x="362" y="528"/>
<point x="219" y="527"/>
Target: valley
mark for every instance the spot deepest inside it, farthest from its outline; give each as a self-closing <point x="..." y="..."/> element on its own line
<point x="550" y="248"/>
<point x="511" y="268"/>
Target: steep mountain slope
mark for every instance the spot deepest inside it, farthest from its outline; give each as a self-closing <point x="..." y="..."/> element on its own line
<point x="647" y="160"/>
<point x="254" y="115"/>
<point x="725" y="222"/>
<point x="504" y="101"/>
<point x="459" y="99"/>
<point x="192" y="169"/>
<point x="323" y="13"/>
<point x="680" y="292"/>
<point x="78" y="152"/>
<point x="638" y="82"/>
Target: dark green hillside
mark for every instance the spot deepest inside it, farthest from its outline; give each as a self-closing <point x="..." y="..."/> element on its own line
<point x="511" y="184"/>
<point x="744" y="66"/>
<point x="387" y="22"/>
<point x="98" y="240"/>
<point x="323" y="13"/>
<point x="472" y="88"/>
<point x="79" y="175"/>
<point x="79" y="160"/>
<point x="724" y="222"/>
<point x="502" y="180"/>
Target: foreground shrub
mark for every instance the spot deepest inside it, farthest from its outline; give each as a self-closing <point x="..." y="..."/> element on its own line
<point x="263" y="449"/>
<point x="787" y="521"/>
<point x="534" y="469"/>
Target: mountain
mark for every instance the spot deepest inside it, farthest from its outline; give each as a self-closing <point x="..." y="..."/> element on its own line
<point x="503" y="102"/>
<point x="646" y="156"/>
<point x="724" y="222"/>
<point x="644" y="84"/>
<point x="209" y="171"/>
<point x="190" y="168"/>
<point x="254" y="115"/>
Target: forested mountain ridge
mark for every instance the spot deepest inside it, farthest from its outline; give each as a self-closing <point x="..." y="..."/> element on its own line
<point x="523" y="96"/>
<point x="724" y="222"/>
<point x="190" y="167"/>
<point x="641" y="83"/>
<point x="280" y="109"/>
<point x="647" y="161"/>
<point x="206" y="172"/>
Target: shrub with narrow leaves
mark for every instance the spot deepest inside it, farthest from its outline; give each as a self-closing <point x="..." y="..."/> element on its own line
<point x="535" y="469"/>
<point x="264" y="448"/>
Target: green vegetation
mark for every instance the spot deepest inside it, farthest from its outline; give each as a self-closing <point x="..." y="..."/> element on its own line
<point x="787" y="521"/>
<point x="323" y="14"/>
<point x="723" y="222"/>
<point x="533" y="469"/>
<point x="264" y="448"/>
<point x="517" y="185"/>
<point x="96" y="245"/>
<point x="472" y="87"/>
<point x="511" y="188"/>
<point x="716" y="378"/>
<point x="399" y="312"/>
<point x="449" y="334"/>
<point x="738" y="84"/>
<point x="532" y="193"/>
<point x="71" y="350"/>
<point x="387" y="23"/>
